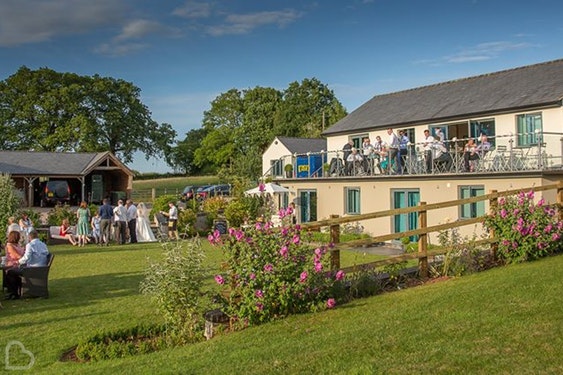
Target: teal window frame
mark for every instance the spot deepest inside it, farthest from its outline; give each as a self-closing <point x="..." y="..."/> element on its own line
<point x="471" y="210"/>
<point x="352" y="201"/>
<point x="487" y="127"/>
<point x="526" y="126"/>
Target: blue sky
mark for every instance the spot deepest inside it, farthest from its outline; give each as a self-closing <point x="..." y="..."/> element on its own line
<point x="183" y="53"/>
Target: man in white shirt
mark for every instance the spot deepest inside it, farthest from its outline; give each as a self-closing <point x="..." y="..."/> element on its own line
<point x="172" y="215"/>
<point x="120" y="218"/>
<point x="427" y="147"/>
<point x="393" y="155"/>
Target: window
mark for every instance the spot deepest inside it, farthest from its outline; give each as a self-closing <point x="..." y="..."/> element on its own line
<point x="405" y="222"/>
<point x="486" y="127"/>
<point x="526" y="125"/>
<point x="410" y="134"/>
<point x="358" y="140"/>
<point x="276" y="167"/>
<point x="471" y="210"/>
<point x="352" y="201"/>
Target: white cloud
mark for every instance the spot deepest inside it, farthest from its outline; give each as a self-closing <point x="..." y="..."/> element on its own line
<point x="193" y="9"/>
<point x="485" y="51"/>
<point x="33" y="21"/>
<point x="245" y="23"/>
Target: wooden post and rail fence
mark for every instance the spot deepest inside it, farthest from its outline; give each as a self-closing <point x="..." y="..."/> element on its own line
<point x="423" y="229"/>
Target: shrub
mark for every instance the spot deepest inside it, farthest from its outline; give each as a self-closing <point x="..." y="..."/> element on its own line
<point x="525" y="230"/>
<point x="10" y="198"/>
<point x="58" y="213"/>
<point x="270" y="274"/>
<point x="186" y="222"/>
<point x="161" y="203"/>
<point x="176" y="285"/>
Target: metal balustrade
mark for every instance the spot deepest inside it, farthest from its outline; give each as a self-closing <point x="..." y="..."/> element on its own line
<point x="504" y="157"/>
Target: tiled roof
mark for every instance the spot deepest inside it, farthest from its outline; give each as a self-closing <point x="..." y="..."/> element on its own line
<point x="48" y="163"/>
<point x="508" y="90"/>
<point x="303" y="145"/>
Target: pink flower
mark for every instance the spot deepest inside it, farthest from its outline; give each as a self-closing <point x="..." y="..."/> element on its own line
<point x="541" y="202"/>
<point x="219" y="279"/>
<point x="259" y="306"/>
<point x="231" y="231"/>
<point x="303" y="276"/>
<point x="340" y="275"/>
<point x="268" y="268"/>
<point x="259" y="294"/>
<point x="258" y="226"/>
<point x="330" y="303"/>
<point x="284" y="251"/>
<point x="555" y="237"/>
<point x="252" y="276"/>
<point x="296" y="239"/>
<point x="239" y="235"/>
<point x="503" y="213"/>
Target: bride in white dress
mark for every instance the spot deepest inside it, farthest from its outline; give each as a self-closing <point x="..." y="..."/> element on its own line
<point x="144" y="231"/>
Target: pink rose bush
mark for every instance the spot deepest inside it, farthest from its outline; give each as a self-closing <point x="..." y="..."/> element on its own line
<point x="526" y="230"/>
<point x="271" y="273"/>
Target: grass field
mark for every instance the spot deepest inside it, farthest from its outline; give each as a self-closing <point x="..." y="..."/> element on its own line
<point x="505" y="320"/>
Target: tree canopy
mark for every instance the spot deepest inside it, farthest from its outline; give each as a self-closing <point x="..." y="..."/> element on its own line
<point x="44" y="110"/>
<point x="240" y="125"/>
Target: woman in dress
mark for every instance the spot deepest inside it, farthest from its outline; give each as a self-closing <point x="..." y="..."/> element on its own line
<point x="13" y="254"/>
<point x="83" y="225"/>
<point x="66" y="231"/>
<point x="144" y="231"/>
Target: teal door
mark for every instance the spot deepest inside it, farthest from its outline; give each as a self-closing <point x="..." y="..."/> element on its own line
<point x="308" y="205"/>
<point x="404" y="222"/>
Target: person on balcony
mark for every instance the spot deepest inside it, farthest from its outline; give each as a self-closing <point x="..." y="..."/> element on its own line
<point x="427" y="147"/>
<point x="393" y="150"/>
<point x="379" y="152"/>
<point x="473" y="152"/>
<point x="441" y="158"/>
<point x="354" y="163"/>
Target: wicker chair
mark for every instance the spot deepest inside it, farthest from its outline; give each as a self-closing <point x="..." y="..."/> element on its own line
<point x="35" y="280"/>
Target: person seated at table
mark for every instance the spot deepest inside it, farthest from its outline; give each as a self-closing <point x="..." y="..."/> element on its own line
<point x="354" y="162"/>
<point x="66" y="232"/>
<point x="35" y="255"/>
<point x="14" y="252"/>
<point x="473" y="152"/>
<point x="442" y="157"/>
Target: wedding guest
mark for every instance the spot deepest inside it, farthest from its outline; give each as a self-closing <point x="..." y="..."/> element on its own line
<point x="83" y="225"/>
<point x="106" y="215"/>
<point x="96" y="231"/>
<point x="131" y="220"/>
<point x="66" y="230"/>
<point x="26" y="226"/>
<point x="144" y="231"/>
<point x="120" y="218"/>
<point x="172" y="215"/>
<point x="13" y="254"/>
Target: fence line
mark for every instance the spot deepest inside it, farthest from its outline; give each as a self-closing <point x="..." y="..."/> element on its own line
<point x="423" y="229"/>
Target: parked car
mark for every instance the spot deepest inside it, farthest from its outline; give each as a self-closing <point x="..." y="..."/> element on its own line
<point x="55" y="191"/>
<point x="188" y="192"/>
<point x="214" y="190"/>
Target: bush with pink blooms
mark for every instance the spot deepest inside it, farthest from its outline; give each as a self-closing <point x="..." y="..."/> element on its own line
<point x="271" y="273"/>
<point x="526" y="230"/>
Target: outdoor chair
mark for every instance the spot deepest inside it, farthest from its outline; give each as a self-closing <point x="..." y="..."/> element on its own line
<point x="35" y="280"/>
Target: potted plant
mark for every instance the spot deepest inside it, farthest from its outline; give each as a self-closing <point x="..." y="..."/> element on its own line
<point x="288" y="170"/>
<point x="326" y="168"/>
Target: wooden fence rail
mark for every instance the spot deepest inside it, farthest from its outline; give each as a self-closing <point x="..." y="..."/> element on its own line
<point x="423" y="229"/>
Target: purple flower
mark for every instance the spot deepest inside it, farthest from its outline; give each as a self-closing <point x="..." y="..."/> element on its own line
<point x="231" y="231"/>
<point x="318" y="267"/>
<point x="303" y="276"/>
<point x="239" y="235"/>
<point x="258" y="226"/>
<point x="259" y="306"/>
<point x="503" y="213"/>
<point x="340" y="275"/>
<point x="555" y="237"/>
<point x="261" y="187"/>
<point x="219" y="279"/>
<point x="330" y="303"/>
<point x="541" y="202"/>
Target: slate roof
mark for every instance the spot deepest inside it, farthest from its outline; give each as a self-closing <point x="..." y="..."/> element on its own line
<point x="509" y="90"/>
<point x="303" y="145"/>
<point x="50" y="163"/>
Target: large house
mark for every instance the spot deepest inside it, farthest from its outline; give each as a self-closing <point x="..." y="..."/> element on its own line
<point x="520" y="111"/>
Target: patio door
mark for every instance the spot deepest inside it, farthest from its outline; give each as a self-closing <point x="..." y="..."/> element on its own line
<point x="405" y="222"/>
<point x="308" y="203"/>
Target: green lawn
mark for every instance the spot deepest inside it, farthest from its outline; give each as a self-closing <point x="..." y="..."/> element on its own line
<point x="506" y="320"/>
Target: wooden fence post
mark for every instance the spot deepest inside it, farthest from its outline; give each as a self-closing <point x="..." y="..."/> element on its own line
<point x="153" y="194"/>
<point x="560" y="198"/>
<point x="422" y="242"/>
<point x="335" y="239"/>
<point x="493" y="207"/>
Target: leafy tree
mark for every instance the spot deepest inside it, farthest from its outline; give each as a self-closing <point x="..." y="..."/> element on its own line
<point x="307" y="109"/>
<point x="45" y="110"/>
<point x="10" y="198"/>
<point x="181" y="157"/>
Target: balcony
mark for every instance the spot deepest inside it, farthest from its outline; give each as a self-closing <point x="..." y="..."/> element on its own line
<point x="509" y="154"/>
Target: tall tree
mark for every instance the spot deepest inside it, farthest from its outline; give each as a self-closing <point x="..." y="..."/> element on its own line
<point x="181" y="157"/>
<point x="50" y="111"/>
<point x="307" y="109"/>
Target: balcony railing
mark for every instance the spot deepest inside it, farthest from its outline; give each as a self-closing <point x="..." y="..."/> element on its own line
<point x="506" y="155"/>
